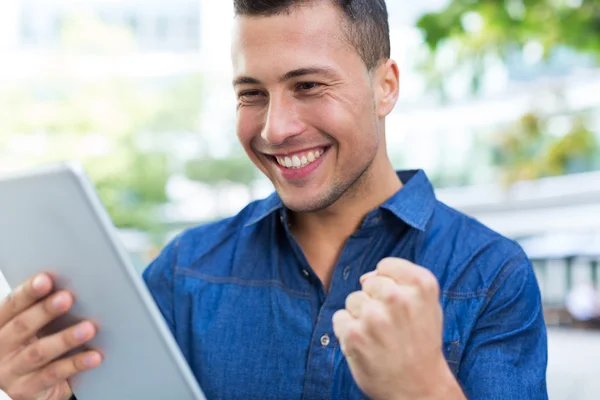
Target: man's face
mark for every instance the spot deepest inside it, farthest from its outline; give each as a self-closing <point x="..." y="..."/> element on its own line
<point x="306" y="112"/>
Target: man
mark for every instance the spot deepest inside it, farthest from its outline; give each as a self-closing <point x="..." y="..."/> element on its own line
<point x="351" y="281"/>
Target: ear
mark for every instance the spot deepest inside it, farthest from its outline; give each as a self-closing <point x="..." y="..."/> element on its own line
<point x="386" y="83"/>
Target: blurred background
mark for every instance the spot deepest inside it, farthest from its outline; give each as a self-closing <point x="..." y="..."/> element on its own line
<point x="500" y="105"/>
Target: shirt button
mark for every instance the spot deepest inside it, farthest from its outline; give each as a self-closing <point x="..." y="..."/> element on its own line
<point x="346" y="273"/>
<point x="305" y="272"/>
<point x="325" y="340"/>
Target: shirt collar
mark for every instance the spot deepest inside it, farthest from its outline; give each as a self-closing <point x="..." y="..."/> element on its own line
<point x="264" y="208"/>
<point x="413" y="204"/>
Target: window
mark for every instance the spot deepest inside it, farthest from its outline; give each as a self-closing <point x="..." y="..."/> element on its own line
<point x="57" y="27"/>
<point x="27" y="31"/>
<point x="162" y="27"/>
<point x="193" y="28"/>
<point x="133" y="24"/>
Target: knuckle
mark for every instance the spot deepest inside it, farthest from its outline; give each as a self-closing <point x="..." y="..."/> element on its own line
<point x="353" y="335"/>
<point x="352" y="299"/>
<point x="52" y="375"/>
<point x="35" y="355"/>
<point x="337" y="316"/>
<point x="67" y="340"/>
<point x="395" y="298"/>
<point x="428" y="283"/>
<point x="376" y="317"/>
<point x="77" y="363"/>
<point x="349" y="300"/>
<point x="20" y="326"/>
<point x="388" y="262"/>
<point x="372" y="284"/>
<point x="338" y="321"/>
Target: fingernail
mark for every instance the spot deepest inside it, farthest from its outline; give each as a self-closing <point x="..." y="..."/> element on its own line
<point x="92" y="360"/>
<point x="83" y="331"/>
<point x="39" y="282"/>
<point x="60" y="301"/>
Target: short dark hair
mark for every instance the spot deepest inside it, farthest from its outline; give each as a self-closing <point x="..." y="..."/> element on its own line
<point x="367" y="30"/>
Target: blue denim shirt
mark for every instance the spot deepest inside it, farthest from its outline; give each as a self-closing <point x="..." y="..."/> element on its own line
<point x="254" y="321"/>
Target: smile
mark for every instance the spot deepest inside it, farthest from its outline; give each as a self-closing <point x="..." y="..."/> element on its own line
<point x="300" y="159"/>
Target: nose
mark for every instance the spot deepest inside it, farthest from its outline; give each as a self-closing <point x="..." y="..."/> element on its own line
<point x="282" y="120"/>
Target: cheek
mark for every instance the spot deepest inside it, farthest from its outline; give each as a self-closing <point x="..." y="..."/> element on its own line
<point x="247" y="127"/>
<point x="349" y="120"/>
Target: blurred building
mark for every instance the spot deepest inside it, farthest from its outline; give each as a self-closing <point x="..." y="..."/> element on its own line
<point x="134" y="38"/>
<point x="178" y="37"/>
<point x="172" y="26"/>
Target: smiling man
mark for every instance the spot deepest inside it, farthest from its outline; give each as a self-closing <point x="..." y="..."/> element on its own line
<point x="350" y="281"/>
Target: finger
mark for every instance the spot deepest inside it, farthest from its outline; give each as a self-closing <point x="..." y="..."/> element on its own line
<point x="405" y="272"/>
<point x="342" y="321"/>
<point x="48" y="349"/>
<point x="380" y="288"/>
<point x="24" y="326"/>
<point x="367" y="276"/>
<point x="63" y="369"/>
<point x="378" y="321"/>
<point x="355" y="303"/>
<point x="345" y="328"/>
<point x="24" y="297"/>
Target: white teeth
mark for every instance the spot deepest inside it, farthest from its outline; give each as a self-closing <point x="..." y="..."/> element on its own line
<point x="299" y="161"/>
<point x="296" y="162"/>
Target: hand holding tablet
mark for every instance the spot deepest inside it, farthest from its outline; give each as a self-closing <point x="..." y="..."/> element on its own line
<point x="60" y="251"/>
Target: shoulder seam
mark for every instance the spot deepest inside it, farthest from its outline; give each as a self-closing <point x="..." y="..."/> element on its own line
<point x="500" y="279"/>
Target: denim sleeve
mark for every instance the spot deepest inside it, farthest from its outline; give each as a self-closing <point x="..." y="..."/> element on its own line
<point x="506" y="354"/>
<point x="158" y="277"/>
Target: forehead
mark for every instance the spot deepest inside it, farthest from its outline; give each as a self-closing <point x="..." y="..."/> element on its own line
<point x="280" y="43"/>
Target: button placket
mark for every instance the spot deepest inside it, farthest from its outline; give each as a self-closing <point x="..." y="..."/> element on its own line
<point x="346" y="273"/>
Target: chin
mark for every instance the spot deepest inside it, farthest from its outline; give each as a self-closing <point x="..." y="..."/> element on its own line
<point x="305" y="203"/>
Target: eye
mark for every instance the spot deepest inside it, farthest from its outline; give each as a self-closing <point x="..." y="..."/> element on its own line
<point x="307" y="86"/>
<point x="250" y="95"/>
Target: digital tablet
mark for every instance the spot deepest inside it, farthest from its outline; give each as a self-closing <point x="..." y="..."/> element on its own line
<point x="52" y="220"/>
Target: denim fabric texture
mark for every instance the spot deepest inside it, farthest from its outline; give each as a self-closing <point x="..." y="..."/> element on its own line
<point x="254" y="321"/>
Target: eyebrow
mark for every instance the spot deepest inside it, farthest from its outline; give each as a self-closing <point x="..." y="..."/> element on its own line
<point x="326" y="71"/>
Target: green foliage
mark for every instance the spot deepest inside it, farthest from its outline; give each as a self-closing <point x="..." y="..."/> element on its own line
<point x="527" y="151"/>
<point x="116" y="129"/>
<point x="132" y="186"/>
<point x="235" y="169"/>
<point x="503" y="24"/>
<point x="469" y="36"/>
<point x="479" y="31"/>
<point x="119" y="128"/>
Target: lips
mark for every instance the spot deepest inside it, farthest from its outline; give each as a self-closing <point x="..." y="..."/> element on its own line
<point x="297" y="167"/>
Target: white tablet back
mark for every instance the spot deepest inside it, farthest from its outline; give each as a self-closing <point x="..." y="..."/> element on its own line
<point x="52" y="220"/>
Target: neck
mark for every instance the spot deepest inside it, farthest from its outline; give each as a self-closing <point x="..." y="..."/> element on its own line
<point x="335" y="224"/>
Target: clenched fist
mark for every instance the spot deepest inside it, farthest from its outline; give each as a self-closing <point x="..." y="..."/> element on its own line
<point x="391" y="335"/>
